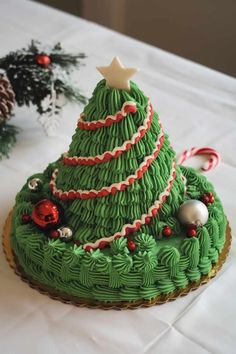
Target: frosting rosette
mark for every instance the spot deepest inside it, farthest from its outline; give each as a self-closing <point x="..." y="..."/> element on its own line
<point x="144" y="261"/>
<point x="145" y="242"/>
<point x="122" y="263"/>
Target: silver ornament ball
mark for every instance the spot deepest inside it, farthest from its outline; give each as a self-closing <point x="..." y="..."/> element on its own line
<point x="193" y="212"/>
<point x="35" y="184"/>
<point x="65" y="233"/>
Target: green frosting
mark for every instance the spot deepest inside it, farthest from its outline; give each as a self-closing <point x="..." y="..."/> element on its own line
<point x="145" y="242"/>
<point x="158" y="265"/>
<point x="119" y="245"/>
<point x="204" y="241"/>
<point x="169" y="257"/>
<point x="122" y="263"/>
<point x="190" y="248"/>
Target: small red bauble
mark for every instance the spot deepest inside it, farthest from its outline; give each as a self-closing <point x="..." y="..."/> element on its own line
<point x="26" y="218"/>
<point x="43" y="59"/>
<point x="166" y="231"/>
<point x="54" y="234"/>
<point x="46" y="214"/>
<point x="192" y="232"/>
<point x="131" y="245"/>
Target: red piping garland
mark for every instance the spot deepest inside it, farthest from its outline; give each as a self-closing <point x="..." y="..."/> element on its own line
<point x="128" y="107"/>
<point x="108" y="155"/>
<point x="115" y="187"/>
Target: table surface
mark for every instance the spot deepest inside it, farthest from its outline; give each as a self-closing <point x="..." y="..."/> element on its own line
<point x="198" y="107"/>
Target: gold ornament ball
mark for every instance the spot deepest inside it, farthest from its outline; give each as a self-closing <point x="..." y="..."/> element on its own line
<point x="35" y="184"/>
<point x="65" y="233"/>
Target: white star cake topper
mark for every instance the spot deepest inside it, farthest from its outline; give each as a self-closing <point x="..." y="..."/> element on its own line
<point x="116" y="75"/>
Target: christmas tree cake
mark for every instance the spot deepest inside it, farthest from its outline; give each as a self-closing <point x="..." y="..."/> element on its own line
<point x="116" y="220"/>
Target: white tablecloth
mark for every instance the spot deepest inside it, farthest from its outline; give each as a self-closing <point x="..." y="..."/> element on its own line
<point x="198" y="107"/>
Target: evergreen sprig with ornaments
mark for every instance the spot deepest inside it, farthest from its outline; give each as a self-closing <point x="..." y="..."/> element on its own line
<point x="37" y="75"/>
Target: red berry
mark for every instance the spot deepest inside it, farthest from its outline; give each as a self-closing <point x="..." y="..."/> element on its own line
<point x="26" y="218"/>
<point x="212" y="199"/>
<point x="131" y="245"/>
<point x="205" y="199"/>
<point x="209" y="194"/>
<point x="208" y="198"/>
<point x="167" y="231"/>
<point x="54" y="234"/>
<point x="192" y="232"/>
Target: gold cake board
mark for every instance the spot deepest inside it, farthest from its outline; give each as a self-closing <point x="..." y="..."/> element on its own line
<point x="67" y="299"/>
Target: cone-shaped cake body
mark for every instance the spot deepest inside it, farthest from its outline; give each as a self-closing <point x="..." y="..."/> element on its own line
<point x="95" y="217"/>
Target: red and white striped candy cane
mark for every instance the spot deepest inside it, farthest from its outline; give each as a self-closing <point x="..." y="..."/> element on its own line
<point x="213" y="161"/>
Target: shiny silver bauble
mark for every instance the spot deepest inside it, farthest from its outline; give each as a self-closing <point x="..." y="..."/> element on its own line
<point x="193" y="212"/>
<point x="65" y="233"/>
<point x="35" y="184"/>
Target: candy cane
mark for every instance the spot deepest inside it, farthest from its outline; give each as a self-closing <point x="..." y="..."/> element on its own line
<point x="213" y="161"/>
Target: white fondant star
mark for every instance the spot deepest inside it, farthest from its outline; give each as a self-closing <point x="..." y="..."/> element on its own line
<point x="116" y="75"/>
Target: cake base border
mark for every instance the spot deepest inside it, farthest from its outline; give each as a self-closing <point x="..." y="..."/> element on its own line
<point x="95" y="304"/>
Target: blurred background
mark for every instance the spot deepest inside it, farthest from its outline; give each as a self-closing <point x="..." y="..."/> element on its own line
<point x="201" y="30"/>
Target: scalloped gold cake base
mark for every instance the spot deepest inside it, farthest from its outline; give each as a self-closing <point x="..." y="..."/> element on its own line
<point x="65" y="298"/>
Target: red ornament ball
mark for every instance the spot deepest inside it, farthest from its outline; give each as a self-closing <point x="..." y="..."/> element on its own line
<point x="43" y="59"/>
<point x="54" y="234"/>
<point x="46" y="214"/>
<point x="26" y="218"/>
<point x="192" y="232"/>
<point x="166" y="231"/>
<point x="131" y="245"/>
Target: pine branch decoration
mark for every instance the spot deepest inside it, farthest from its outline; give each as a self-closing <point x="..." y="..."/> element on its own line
<point x="31" y="79"/>
<point x="7" y="138"/>
<point x="30" y="75"/>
